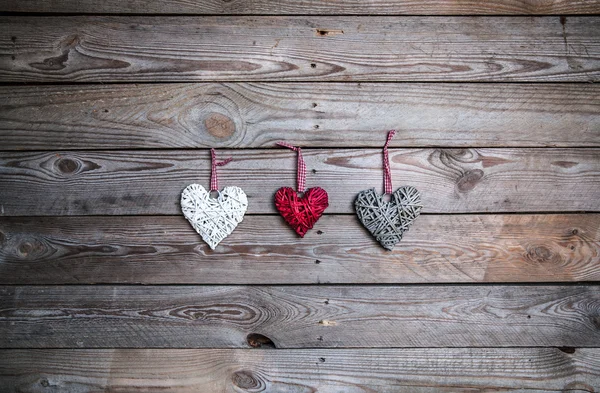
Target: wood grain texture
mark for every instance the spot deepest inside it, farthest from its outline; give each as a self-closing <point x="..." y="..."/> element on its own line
<point x="302" y="371"/>
<point x="243" y="115"/>
<point x="150" y="182"/>
<point x="298" y="316"/>
<point x="264" y="250"/>
<point x="307" y="7"/>
<point x="111" y="49"/>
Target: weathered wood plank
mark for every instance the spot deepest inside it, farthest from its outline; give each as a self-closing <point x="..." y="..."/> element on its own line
<point x="263" y="250"/>
<point x="298" y="316"/>
<point x="307" y="7"/>
<point x="243" y="115"/>
<point x="292" y="371"/>
<point x="150" y="182"/>
<point x="101" y="49"/>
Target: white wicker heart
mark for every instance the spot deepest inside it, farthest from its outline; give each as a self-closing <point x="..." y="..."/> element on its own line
<point x="213" y="218"/>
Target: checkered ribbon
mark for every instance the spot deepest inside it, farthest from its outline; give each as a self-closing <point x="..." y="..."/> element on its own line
<point x="387" y="173"/>
<point x="214" y="181"/>
<point x="301" y="176"/>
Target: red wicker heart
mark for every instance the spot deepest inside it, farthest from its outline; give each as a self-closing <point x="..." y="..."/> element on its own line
<point x="301" y="212"/>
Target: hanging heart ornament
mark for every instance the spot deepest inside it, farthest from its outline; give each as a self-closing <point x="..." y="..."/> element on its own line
<point x="387" y="221"/>
<point x="301" y="212"/>
<point x="213" y="218"/>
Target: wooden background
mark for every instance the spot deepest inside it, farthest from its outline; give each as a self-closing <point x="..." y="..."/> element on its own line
<point x="108" y="109"/>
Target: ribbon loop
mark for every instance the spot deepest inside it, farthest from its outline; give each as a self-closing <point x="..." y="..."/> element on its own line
<point x="214" y="181"/>
<point x="387" y="173"/>
<point x="301" y="172"/>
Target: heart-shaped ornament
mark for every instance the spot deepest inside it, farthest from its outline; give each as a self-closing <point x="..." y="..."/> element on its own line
<point x="387" y="221"/>
<point x="301" y="212"/>
<point x="213" y="218"/>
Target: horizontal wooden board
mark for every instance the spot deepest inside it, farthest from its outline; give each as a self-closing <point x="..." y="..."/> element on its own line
<point x="308" y="7"/>
<point x="243" y="115"/>
<point x="264" y="250"/>
<point x="298" y="316"/>
<point x="150" y="182"/>
<point x="293" y="371"/>
<point x="218" y="48"/>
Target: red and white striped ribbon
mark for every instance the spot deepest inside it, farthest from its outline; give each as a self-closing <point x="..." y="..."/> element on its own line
<point x="301" y="175"/>
<point x="387" y="173"/>
<point x="214" y="181"/>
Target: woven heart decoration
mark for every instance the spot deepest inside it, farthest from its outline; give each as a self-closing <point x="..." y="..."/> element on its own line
<point x="301" y="212"/>
<point x="387" y="221"/>
<point x="214" y="218"/>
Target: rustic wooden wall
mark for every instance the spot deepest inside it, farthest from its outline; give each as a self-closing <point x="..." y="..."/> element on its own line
<point x="107" y="111"/>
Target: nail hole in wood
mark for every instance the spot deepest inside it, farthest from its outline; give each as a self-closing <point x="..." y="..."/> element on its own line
<point x="326" y="32"/>
<point x="319" y="232"/>
<point x="256" y="340"/>
<point x="317" y="262"/>
<point x="322" y="360"/>
<point x="314" y="104"/>
<point x="313" y="65"/>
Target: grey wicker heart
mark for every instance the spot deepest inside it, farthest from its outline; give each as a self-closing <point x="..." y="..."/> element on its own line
<point x="213" y="218"/>
<point x="387" y="221"/>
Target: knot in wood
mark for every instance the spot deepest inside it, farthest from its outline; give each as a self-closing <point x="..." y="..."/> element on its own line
<point x="246" y="380"/>
<point x="25" y="249"/>
<point x="469" y="180"/>
<point x="67" y="166"/>
<point x="542" y="254"/>
<point x="219" y="125"/>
